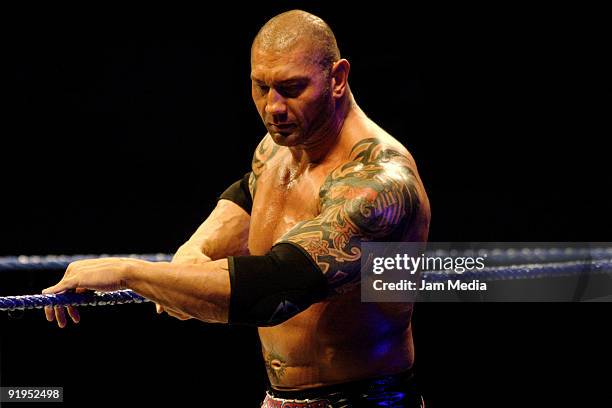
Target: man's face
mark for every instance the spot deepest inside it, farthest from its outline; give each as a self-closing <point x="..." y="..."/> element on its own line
<point x="292" y="94"/>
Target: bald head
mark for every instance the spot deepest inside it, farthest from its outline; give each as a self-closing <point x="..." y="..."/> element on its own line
<point x="296" y="28"/>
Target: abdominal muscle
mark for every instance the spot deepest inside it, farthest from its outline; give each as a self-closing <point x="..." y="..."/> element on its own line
<point x="338" y="340"/>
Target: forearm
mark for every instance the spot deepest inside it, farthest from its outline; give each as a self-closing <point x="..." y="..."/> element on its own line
<point x="199" y="290"/>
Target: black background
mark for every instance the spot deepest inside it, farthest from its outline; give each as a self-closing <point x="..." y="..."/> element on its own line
<point x="121" y="131"/>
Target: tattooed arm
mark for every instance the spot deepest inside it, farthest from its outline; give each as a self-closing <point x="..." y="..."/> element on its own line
<point x="370" y="198"/>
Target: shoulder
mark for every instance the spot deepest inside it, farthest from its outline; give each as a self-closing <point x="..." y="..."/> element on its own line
<point x="266" y="149"/>
<point x="377" y="186"/>
<point x="380" y="149"/>
<point x="374" y="162"/>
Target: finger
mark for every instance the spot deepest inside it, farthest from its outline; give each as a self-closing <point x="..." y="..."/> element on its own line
<point x="177" y="314"/>
<point x="74" y="314"/>
<point x="60" y="316"/>
<point x="159" y="308"/>
<point x="49" y="313"/>
<point x="59" y="287"/>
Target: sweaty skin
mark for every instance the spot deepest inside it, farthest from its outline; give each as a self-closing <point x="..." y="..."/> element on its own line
<point x="340" y="339"/>
<point x="324" y="177"/>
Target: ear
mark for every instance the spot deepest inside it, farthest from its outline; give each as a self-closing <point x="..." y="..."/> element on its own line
<point x="339" y="75"/>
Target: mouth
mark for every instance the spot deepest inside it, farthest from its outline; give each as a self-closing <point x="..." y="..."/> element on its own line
<point x="282" y="128"/>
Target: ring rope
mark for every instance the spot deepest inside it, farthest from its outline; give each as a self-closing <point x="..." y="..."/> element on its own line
<point x="118" y="297"/>
<point x="530" y="271"/>
<point x="498" y="256"/>
<point x="47" y="262"/>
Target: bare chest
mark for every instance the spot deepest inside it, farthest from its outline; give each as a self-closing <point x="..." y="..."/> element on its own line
<point x="281" y="202"/>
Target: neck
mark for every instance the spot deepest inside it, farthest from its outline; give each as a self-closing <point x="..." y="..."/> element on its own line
<point x="320" y="147"/>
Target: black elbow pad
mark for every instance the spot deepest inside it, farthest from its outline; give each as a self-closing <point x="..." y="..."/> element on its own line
<point x="240" y="194"/>
<point x="267" y="290"/>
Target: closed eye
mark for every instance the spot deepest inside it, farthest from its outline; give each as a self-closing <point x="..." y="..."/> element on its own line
<point x="292" y="90"/>
<point x="262" y="88"/>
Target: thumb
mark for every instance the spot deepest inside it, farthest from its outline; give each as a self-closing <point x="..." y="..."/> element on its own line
<point x="159" y="308"/>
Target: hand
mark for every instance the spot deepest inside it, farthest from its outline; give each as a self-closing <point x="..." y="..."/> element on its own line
<point x="99" y="274"/>
<point x="58" y="313"/>
<point x="186" y="255"/>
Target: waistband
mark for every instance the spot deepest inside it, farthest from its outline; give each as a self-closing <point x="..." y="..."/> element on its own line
<point x="404" y="379"/>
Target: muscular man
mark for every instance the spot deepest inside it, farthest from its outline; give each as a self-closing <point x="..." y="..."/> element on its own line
<point x="281" y="250"/>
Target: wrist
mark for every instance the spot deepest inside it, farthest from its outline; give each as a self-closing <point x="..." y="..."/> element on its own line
<point x="128" y="274"/>
<point x="136" y="271"/>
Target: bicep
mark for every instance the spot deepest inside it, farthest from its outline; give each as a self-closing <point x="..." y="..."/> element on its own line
<point x="225" y="231"/>
<point x="357" y="208"/>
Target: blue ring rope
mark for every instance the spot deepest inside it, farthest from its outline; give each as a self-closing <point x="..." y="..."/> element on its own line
<point x="529" y="271"/>
<point x="8" y="303"/>
<point x="505" y="256"/>
<point x="47" y="262"/>
<point x="508" y="256"/>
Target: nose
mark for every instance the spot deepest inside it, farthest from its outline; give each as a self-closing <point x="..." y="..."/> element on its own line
<point x="275" y="104"/>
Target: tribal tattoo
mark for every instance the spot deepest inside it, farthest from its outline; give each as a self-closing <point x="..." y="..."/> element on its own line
<point x="275" y="366"/>
<point x="371" y="198"/>
<point x="264" y="152"/>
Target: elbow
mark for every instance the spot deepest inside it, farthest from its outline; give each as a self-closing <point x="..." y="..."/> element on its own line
<point x="270" y="289"/>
